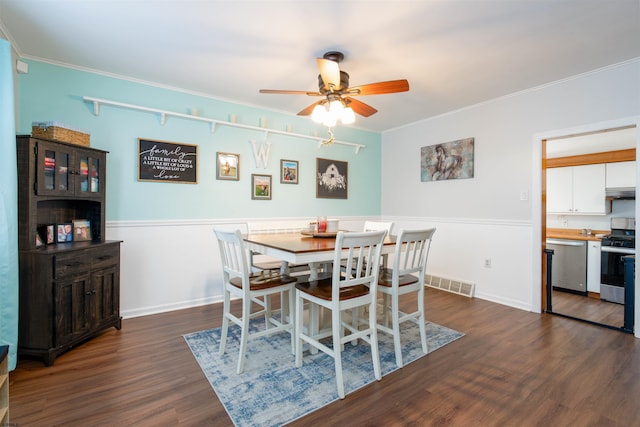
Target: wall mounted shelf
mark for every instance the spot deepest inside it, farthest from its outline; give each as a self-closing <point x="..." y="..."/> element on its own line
<point x="164" y="114"/>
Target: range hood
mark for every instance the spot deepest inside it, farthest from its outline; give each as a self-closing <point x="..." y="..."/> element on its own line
<point x="620" y="193"/>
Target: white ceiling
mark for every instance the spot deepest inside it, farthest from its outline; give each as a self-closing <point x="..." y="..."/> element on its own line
<point x="455" y="53"/>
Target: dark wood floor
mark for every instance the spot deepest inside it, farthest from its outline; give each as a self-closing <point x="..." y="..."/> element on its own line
<point x="512" y="368"/>
<point x="588" y="308"/>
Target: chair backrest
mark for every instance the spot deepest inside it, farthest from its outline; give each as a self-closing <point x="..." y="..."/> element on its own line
<point x="362" y="260"/>
<point x="377" y="226"/>
<point x="233" y="256"/>
<point x="412" y="249"/>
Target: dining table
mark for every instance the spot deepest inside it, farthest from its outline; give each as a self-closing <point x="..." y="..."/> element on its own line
<point x="315" y="249"/>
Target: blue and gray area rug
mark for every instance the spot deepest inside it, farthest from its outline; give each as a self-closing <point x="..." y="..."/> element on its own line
<point x="272" y="391"/>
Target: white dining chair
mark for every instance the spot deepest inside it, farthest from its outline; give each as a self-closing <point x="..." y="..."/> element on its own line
<point x="239" y="282"/>
<point x="378" y="225"/>
<point x="341" y="292"/>
<point x="406" y="275"/>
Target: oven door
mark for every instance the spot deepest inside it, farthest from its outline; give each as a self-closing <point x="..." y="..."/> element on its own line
<point x="612" y="265"/>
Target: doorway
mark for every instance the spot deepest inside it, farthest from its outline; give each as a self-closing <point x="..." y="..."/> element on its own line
<point x="596" y="147"/>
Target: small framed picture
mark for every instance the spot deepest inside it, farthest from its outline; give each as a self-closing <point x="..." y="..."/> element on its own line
<point x="47" y="234"/>
<point x="228" y="166"/>
<point x="288" y="171"/>
<point x="81" y="230"/>
<point x="260" y="187"/>
<point x="39" y="241"/>
<point x="65" y="232"/>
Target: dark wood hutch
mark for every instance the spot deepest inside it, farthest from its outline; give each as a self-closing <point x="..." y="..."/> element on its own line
<point x="69" y="291"/>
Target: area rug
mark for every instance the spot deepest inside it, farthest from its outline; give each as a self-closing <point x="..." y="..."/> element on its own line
<point x="272" y="391"/>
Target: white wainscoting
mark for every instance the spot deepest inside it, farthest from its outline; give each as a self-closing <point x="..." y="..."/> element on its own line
<point x="171" y="265"/>
<point x="460" y="247"/>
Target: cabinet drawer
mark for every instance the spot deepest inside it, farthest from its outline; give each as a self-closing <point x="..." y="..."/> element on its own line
<point x="77" y="262"/>
<point x="71" y="263"/>
<point x="105" y="257"/>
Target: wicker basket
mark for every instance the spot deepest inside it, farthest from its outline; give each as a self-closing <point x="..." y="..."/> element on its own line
<point x="60" y="132"/>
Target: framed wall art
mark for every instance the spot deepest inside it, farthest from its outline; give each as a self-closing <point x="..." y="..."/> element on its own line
<point x="261" y="187"/>
<point x="288" y="171"/>
<point x="331" y="179"/>
<point x="450" y="160"/>
<point x="163" y="161"/>
<point x="228" y="166"/>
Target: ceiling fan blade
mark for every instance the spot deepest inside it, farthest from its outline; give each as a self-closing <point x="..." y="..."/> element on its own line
<point x="330" y="72"/>
<point x="360" y="107"/>
<point x="379" y="88"/>
<point x="307" y="111"/>
<point x="290" y="92"/>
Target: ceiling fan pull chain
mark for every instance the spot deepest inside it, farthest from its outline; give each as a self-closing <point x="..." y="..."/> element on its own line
<point x="331" y="137"/>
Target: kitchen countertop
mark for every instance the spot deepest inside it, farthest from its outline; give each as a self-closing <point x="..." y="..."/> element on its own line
<point x="574" y="234"/>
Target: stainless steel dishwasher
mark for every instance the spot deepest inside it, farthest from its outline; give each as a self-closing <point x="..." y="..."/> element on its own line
<point x="569" y="265"/>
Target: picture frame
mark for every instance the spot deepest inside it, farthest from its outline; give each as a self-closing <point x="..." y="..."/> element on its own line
<point x="82" y="230"/>
<point x="228" y="166"/>
<point x="261" y="187"/>
<point x="47" y="233"/>
<point x="448" y="160"/>
<point x="289" y="171"/>
<point x="64" y="232"/>
<point x="163" y="161"/>
<point x="332" y="179"/>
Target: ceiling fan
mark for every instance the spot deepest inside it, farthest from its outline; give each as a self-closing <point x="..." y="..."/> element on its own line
<point x="338" y="102"/>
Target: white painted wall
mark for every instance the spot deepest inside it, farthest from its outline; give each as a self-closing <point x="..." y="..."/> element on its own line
<point x="485" y="217"/>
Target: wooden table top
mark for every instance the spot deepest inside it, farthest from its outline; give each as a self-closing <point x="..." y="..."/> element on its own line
<point x="298" y="243"/>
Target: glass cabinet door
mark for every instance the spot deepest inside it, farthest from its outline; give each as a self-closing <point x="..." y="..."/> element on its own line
<point x="68" y="171"/>
<point x="91" y="170"/>
<point x="54" y="170"/>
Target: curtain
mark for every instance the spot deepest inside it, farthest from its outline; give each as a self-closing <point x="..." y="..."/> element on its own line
<point x="8" y="209"/>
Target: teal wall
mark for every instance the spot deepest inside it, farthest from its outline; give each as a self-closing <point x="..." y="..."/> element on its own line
<point x="53" y="93"/>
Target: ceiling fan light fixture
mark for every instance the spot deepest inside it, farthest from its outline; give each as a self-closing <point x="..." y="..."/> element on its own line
<point x="348" y="116"/>
<point x="319" y="113"/>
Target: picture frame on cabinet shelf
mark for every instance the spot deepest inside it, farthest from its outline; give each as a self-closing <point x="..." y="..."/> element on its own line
<point x="228" y="166"/>
<point x="47" y="233"/>
<point x="81" y="230"/>
<point x="289" y="171"/>
<point x="261" y="187"/>
<point x="64" y="232"/>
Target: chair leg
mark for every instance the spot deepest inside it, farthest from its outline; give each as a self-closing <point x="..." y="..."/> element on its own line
<point x="246" y="314"/>
<point x="336" y="326"/>
<point x="267" y="311"/>
<point x="421" y="320"/>
<point x="226" y="306"/>
<point x="289" y="314"/>
<point x="395" y="320"/>
<point x="375" y="355"/>
<point x="299" y="328"/>
<point x="385" y="309"/>
<point x="355" y="322"/>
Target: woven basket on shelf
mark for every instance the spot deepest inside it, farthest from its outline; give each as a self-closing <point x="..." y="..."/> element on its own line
<point x="58" y="132"/>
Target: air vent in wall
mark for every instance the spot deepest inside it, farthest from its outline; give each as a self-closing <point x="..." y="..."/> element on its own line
<point x="450" y="285"/>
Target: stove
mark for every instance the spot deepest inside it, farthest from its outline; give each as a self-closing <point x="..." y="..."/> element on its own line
<point x="615" y="246"/>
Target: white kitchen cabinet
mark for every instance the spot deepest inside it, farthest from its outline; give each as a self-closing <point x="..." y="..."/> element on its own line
<point x="577" y="190"/>
<point x="621" y="174"/>
<point x="593" y="266"/>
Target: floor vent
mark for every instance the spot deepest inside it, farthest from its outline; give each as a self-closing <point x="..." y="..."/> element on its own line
<point x="450" y="285"/>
